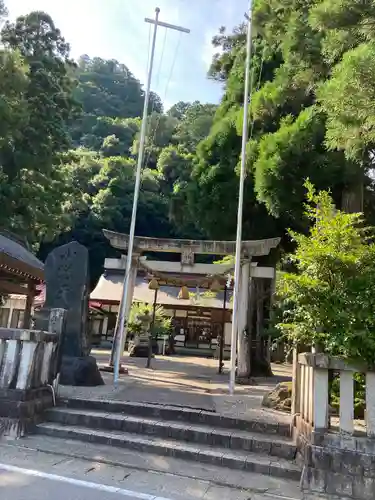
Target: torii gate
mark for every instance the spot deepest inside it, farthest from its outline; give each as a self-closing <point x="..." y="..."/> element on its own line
<point x="188" y="249"/>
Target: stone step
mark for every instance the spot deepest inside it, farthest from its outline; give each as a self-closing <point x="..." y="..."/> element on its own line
<point x="112" y="456"/>
<point x="179" y="431"/>
<point x="190" y="415"/>
<point x="238" y="460"/>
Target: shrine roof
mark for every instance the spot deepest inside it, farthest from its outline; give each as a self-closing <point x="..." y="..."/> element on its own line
<point x="109" y="289"/>
<point x="16" y="259"/>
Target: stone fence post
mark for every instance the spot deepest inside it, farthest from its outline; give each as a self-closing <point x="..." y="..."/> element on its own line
<point x="337" y="452"/>
<point x="29" y="364"/>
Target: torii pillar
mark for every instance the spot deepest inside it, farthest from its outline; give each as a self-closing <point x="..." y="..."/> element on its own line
<point x="128" y="305"/>
<point x="243" y="329"/>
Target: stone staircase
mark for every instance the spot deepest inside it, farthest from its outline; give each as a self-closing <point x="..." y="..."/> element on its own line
<point x="184" y="433"/>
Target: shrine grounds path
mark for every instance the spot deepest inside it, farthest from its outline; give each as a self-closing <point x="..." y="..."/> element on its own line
<point x="185" y="381"/>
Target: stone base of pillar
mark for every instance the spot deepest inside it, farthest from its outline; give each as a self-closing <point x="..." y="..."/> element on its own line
<point x="260" y="367"/>
<point x="82" y="371"/>
<point x="246" y="381"/>
<point x="110" y="369"/>
<point x="21" y="410"/>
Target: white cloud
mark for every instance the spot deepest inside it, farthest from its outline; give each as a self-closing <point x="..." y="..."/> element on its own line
<point x="168" y="104"/>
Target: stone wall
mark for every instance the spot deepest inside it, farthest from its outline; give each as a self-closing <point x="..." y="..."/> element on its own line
<point x="340" y="466"/>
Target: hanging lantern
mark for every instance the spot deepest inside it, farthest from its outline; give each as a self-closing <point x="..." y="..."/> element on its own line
<point x="184" y="293"/>
<point x="153" y="285"/>
<point x="215" y="286"/>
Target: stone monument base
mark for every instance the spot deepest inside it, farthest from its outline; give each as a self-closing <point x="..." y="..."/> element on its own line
<point x="110" y="369"/>
<point x="20" y="410"/>
<point x="80" y="371"/>
<point x="140" y="350"/>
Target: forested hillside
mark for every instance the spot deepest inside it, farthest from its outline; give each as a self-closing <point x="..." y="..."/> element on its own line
<point x="69" y="131"/>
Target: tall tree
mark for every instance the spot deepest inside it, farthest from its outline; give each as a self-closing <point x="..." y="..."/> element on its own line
<point x="315" y="41"/>
<point x="30" y="159"/>
<point x="228" y="47"/>
<point x="194" y="124"/>
<point x="160" y="131"/>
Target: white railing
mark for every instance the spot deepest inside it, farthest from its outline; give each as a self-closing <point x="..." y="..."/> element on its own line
<point x="311" y="406"/>
<point x="29" y="358"/>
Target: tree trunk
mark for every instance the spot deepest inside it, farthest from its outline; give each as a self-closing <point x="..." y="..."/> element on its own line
<point x="352" y="196"/>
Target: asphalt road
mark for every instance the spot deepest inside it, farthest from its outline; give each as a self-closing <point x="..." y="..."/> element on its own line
<point x="60" y="473"/>
<point x="24" y="484"/>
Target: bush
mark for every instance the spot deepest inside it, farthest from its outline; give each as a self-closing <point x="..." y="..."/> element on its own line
<point x="329" y="299"/>
<point x="163" y="323"/>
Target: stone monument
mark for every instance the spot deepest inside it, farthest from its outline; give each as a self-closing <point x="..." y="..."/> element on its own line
<point x="67" y="287"/>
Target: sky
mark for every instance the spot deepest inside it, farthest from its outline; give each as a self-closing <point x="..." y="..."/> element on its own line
<point x="115" y="29"/>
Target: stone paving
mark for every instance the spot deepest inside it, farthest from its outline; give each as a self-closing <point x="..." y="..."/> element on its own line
<point x="191" y="382"/>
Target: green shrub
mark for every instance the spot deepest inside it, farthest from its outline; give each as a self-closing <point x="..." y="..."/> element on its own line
<point x="163" y="323"/>
<point x="329" y="300"/>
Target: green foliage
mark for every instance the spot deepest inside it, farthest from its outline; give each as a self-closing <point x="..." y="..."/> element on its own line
<point x="310" y="117"/>
<point x="298" y="142"/>
<point x="108" y="88"/>
<point x="347" y="98"/>
<point x="34" y="75"/>
<point x="162" y="325"/>
<point x="228" y="47"/>
<point x="178" y="110"/>
<point x="50" y="191"/>
<point x="174" y="166"/>
<point x="194" y="124"/>
<point x="96" y="129"/>
<point x="327" y="57"/>
<point x="111" y="146"/>
<point x="3" y="10"/>
<point x="213" y="190"/>
<point x="160" y="130"/>
<point x="112" y="201"/>
<point x="329" y="296"/>
<point x="112" y="102"/>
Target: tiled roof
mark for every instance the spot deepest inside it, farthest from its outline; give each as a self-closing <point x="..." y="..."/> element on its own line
<point x="17" y="251"/>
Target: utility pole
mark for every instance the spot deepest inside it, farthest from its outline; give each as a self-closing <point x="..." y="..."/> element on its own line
<point x="237" y="269"/>
<point x="119" y="335"/>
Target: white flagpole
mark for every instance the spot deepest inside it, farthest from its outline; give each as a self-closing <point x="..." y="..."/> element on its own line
<point x="120" y="335"/>
<point x="237" y="269"/>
